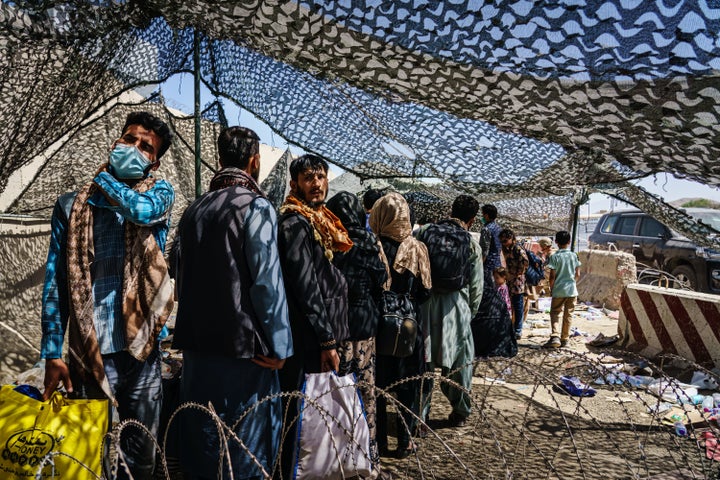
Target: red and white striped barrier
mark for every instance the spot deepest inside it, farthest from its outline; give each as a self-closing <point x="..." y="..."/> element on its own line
<point x="657" y="320"/>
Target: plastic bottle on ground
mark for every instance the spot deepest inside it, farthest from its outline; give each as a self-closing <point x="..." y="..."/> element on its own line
<point x="708" y="403"/>
<point x="680" y="429"/>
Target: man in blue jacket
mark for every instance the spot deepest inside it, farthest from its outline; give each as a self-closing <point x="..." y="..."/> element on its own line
<point x="107" y="284"/>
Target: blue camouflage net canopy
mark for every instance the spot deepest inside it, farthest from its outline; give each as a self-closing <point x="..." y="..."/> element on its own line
<point x="509" y="100"/>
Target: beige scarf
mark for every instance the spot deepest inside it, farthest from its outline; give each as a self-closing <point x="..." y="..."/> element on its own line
<point x="390" y="217"/>
<point x="147" y="291"/>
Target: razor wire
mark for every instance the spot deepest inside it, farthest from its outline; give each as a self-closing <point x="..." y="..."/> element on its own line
<point x="522" y="424"/>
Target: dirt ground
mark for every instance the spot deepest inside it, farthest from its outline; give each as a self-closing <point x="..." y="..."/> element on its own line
<point x="523" y="426"/>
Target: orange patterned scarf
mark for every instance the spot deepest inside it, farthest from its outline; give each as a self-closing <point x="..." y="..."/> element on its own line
<point x="147" y="291"/>
<point x="328" y="228"/>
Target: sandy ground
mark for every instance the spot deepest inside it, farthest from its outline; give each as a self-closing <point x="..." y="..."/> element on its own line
<point x="522" y="426"/>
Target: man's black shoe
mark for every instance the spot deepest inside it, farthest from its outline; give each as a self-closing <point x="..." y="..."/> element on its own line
<point x="455" y="420"/>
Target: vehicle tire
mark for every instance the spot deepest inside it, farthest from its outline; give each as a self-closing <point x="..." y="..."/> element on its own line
<point x="684" y="277"/>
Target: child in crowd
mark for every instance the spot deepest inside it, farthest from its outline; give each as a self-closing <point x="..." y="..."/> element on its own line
<point x="500" y="277"/>
<point x="564" y="268"/>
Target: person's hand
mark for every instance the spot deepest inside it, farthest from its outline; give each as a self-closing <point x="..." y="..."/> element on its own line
<point x="268" y="362"/>
<point x="329" y="360"/>
<point x="56" y="371"/>
<point x="103" y="168"/>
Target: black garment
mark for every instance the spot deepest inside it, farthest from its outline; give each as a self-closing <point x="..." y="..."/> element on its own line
<point x="391" y="369"/>
<point x="317" y="303"/>
<point x="492" y="328"/>
<point x="216" y="316"/>
<point x="362" y="267"/>
<point x="317" y="298"/>
<point x="365" y="275"/>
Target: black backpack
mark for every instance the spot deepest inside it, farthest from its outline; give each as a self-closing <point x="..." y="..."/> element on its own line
<point x="535" y="271"/>
<point x="448" y="247"/>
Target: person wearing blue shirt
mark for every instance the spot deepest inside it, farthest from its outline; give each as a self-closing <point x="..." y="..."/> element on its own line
<point x="490" y="240"/>
<point x="564" y="268"/>
<point x="232" y="322"/>
<point x="107" y="286"/>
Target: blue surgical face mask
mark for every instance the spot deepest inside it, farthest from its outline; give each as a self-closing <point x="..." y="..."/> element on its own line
<point x="128" y="163"/>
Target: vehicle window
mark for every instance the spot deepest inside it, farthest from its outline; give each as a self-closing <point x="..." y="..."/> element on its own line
<point x="651" y="228"/>
<point x="609" y="224"/>
<point x="626" y="225"/>
<point x="711" y="218"/>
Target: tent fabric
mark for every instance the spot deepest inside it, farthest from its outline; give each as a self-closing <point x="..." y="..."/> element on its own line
<point x="520" y="99"/>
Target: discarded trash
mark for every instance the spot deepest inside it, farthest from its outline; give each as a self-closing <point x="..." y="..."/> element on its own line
<point x="707" y="403"/>
<point x="712" y="450"/>
<point x="575" y="332"/>
<point x="538" y="323"/>
<point x="639" y="381"/>
<point x="672" y="391"/>
<point x="543" y="304"/>
<point x="677" y="414"/>
<point x="602" y="339"/>
<point x="676" y="417"/>
<point x="680" y="429"/>
<point x="621" y="399"/>
<point x="609" y="379"/>
<point x="576" y="388"/>
<point x="703" y="381"/>
<point x="660" y="407"/>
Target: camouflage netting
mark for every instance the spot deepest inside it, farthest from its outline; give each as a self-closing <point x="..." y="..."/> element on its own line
<point x="519" y="100"/>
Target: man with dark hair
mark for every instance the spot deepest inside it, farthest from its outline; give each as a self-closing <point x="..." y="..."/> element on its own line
<point x="232" y="322"/>
<point x="237" y="148"/>
<point x="152" y="123"/>
<point x="490" y="240"/>
<point x="370" y="197"/>
<point x="308" y="236"/>
<point x="107" y="284"/>
<point x="446" y="316"/>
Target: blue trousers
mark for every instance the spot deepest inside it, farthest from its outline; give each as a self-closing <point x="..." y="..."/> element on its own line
<point x="137" y="387"/>
<point x="516" y="302"/>
<point x="238" y="391"/>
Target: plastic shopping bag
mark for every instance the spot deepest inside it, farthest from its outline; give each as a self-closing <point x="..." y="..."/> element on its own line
<point x="69" y="431"/>
<point x="334" y="438"/>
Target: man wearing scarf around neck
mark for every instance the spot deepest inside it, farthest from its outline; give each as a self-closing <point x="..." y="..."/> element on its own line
<point x="107" y="284"/>
<point x="309" y="235"/>
<point x="232" y="321"/>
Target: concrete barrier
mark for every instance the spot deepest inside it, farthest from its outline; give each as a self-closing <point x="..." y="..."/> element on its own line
<point x="657" y="320"/>
<point x="604" y="275"/>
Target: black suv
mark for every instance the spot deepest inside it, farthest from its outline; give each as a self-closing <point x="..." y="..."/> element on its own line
<point x="660" y="247"/>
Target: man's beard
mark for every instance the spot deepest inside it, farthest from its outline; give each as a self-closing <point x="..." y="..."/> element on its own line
<point x="314" y="205"/>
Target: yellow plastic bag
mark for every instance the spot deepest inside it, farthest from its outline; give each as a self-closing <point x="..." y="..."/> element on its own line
<point x="30" y="430"/>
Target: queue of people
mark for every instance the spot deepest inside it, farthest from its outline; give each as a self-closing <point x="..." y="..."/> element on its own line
<point x="265" y="298"/>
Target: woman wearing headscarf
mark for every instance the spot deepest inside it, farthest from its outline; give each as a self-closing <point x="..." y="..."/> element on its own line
<point x="492" y="327"/>
<point x="365" y="274"/>
<point x="409" y="265"/>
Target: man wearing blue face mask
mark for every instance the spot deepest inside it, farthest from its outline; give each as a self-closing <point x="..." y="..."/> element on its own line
<point x="107" y="285"/>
